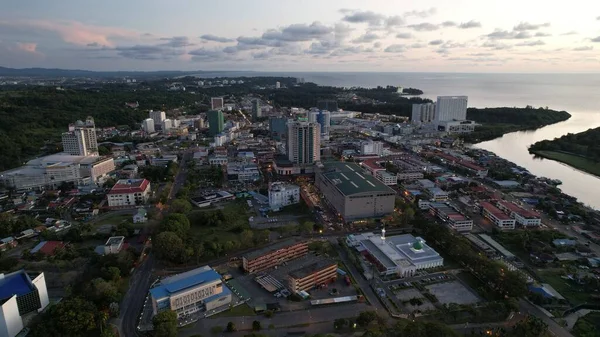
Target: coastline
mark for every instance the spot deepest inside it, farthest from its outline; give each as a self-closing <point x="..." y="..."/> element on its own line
<point x="577" y="162"/>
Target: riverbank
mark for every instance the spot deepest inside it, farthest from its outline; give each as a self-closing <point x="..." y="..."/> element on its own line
<point x="578" y="162"/>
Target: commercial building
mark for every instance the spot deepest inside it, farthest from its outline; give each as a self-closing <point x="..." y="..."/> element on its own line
<point x="283" y="194"/>
<point x="129" y="193"/>
<point x="401" y="255"/>
<point x="20" y="294"/>
<point x="386" y="177"/>
<point x="451" y="216"/>
<point x="194" y="291"/>
<point x="157" y="116"/>
<point x="304" y="142"/>
<point x="256" y="111"/>
<point x="274" y="255"/>
<point x="371" y="147"/>
<point x="216" y="122"/>
<point x="323" y="117"/>
<point x="328" y="105"/>
<point x="53" y="170"/>
<point x="423" y="113"/>
<point x="313" y="275"/>
<point x="450" y="108"/>
<point x="81" y="139"/>
<point x="353" y="195"/>
<point x="496" y="216"/>
<point x="148" y="125"/>
<point x="278" y="127"/>
<point x="217" y="103"/>
<point x="522" y="216"/>
<point x="245" y="172"/>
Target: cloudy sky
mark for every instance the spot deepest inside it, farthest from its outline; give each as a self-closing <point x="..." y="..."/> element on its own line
<point x="303" y="35"/>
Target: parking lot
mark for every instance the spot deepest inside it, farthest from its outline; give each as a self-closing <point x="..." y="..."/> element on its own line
<point x="452" y="292"/>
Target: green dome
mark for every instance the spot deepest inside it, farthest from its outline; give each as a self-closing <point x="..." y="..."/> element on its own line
<point x="418" y="245"/>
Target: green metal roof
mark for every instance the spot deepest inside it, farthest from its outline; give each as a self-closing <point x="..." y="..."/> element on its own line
<point x="350" y="179"/>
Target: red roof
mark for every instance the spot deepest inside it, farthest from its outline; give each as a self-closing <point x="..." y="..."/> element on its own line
<point x="49" y="248"/>
<point x="372" y="164"/>
<point x="494" y="210"/>
<point x="519" y="210"/>
<point x="129" y="186"/>
<point x="456" y="217"/>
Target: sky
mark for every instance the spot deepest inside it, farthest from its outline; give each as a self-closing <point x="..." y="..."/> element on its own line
<point x="303" y="35"/>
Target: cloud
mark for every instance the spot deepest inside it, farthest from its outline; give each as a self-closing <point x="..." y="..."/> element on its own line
<point x="214" y="38"/>
<point x="422" y="14"/>
<point x="481" y="54"/>
<point x="505" y="35"/>
<point x="395" y="48"/>
<point x="583" y="48"/>
<point x="436" y="42"/>
<point x="449" y="24"/>
<point x="205" y="54"/>
<point x="596" y="39"/>
<point x="404" y="35"/>
<point x="417" y="45"/>
<point x="393" y="21"/>
<point x="531" y="43"/>
<point x="176" y="41"/>
<point x="149" y="52"/>
<point x="598" y="18"/>
<point x="424" y="27"/>
<point x="366" y="38"/>
<point x="470" y="24"/>
<point x="299" y="32"/>
<point x="529" y="26"/>
<point x="542" y="34"/>
<point x="570" y="33"/>
<point x="377" y="45"/>
<point x="496" y="46"/>
<point x="19" y="53"/>
<point x="369" y="17"/>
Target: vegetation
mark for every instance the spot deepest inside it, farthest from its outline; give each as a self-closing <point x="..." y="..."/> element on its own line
<point x="165" y="324"/>
<point x="588" y="325"/>
<point x="230" y="327"/>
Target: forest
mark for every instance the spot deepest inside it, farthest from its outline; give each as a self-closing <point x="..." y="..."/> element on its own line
<point x="585" y="144"/>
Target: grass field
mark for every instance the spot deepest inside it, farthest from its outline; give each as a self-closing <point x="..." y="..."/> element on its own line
<point x="569" y="289"/>
<point x="115" y="219"/>
<point x="240" y="310"/>
<point x="572" y="160"/>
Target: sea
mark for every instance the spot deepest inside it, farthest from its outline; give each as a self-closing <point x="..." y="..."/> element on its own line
<point x="574" y="93"/>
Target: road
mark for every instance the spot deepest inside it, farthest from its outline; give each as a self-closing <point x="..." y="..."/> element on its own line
<point x="556" y="330"/>
<point x="133" y="301"/>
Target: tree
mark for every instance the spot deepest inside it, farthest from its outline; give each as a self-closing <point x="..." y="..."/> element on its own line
<point x="165" y="324"/>
<point x="529" y="327"/>
<point x="230" y="327"/>
<point x="177" y="223"/>
<point x="247" y="238"/>
<point x="256" y="325"/>
<point x="169" y="246"/>
<point x="71" y="317"/>
<point x="366" y="317"/>
<point x="103" y="150"/>
<point x="340" y="323"/>
<point x="180" y="206"/>
<point x="307" y="227"/>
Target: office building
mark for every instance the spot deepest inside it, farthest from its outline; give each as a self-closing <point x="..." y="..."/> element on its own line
<point x="496" y="216"/>
<point x="451" y="216"/>
<point x="256" y="112"/>
<point x="148" y="125"/>
<point x="423" y="113"/>
<point x="278" y="127"/>
<point x="217" y="103"/>
<point x="522" y="216"/>
<point x="401" y="255"/>
<point x="328" y="105"/>
<point x="353" y="195"/>
<point x="157" y="116"/>
<point x="371" y="147"/>
<point x="451" y="108"/>
<point x="282" y="194"/>
<point x="304" y="142"/>
<point x="20" y="294"/>
<point x="129" y="193"/>
<point x="313" y="275"/>
<point x="81" y="139"/>
<point x="322" y="117"/>
<point x="216" y="122"/>
<point x="197" y="290"/>
<point x="274" y="255"/>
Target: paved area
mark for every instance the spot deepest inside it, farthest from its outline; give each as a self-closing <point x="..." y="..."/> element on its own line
<point x="407" y="294"/>
<point x="452" y="292"/>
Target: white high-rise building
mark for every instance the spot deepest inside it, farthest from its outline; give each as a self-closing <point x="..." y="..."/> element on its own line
<point x="423" y="113"/>
<point x="81" y="139"/>
<point x="371" y="147"/>
<point x="277" y="85"/>
<point x="148" y="125"/>
<point x="167" y="124"/>
<point x="322" y="117"/>
<point x="449" y="108"/>
<point x="157" y="116"/>
<point x="304" y="142"/>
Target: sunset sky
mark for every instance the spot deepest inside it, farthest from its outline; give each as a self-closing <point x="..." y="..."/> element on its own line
<point x="302" y="35"/>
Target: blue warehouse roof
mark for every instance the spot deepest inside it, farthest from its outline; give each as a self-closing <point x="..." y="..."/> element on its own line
<point x="180" y="282"/>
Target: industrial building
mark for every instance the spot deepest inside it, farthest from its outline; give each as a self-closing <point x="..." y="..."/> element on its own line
<point x="313" y="275"/>
<point x="352" y="194"/>
<point x="522" y="216"/>
<point x="20" y="294"/>
<point x="129" y="193"/>
<point x="401" y="255"/>
<point x="451" y="216"/>
<point x="274" y="255"/>
<point x="283" y="194"/>
<point x="499" y="218"/>
<point x="194" y="291"/>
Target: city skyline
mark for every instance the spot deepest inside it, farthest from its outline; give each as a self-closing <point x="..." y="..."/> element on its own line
<point x="434" y="36"/>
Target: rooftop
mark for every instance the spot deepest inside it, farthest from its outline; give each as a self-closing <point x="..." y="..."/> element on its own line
<point x="125" y="186"/>
<point x="305" y="271"/>
<point x="280" y="245"/>
<point x="488" y="239"/>
<point x="348" y="179"/>
<point x="47" y="247"/>
<point x="398" y="250"/>
<point x="183" y="281"/>
<point x="519" y="210"/>
<point x="16" y="283"/>
<point x="494" y="210"/>
<point x="114" y="240"/>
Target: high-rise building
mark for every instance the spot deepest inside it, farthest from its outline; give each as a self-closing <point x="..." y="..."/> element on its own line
<point x="323" y="117"/>
<point x="304" y="142"/>
<point x="278" y="127"/>
<point x="22" y="293"/>
<point x="215" y="122"/>
<point x="167" y="124"/>
<point x="329" y="105"/>
<point x="277" y="85"/>
<point x="81" y="139"/>
<point x="157" y="116"/>
<point x="256" y="112"/>
<point x="423" y="113"/>
<point x="148" y="125"/>
<point x="449" y="108"/>
<point x="216" y="103"/>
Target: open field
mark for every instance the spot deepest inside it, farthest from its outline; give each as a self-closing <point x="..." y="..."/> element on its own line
<point x="240" y="310"/>
<point x="577" y="162"/>
<point x="569" y="289"/>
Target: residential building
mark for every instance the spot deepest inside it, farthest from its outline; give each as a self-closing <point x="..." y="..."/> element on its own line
<point x="496" y="216"/>
<point x="129" y="193"/>
<point x="244" y="172"/>
<point x="157" y="116"/>
<point x="277" y="85"/>
<point x="449" y="108"/>
<point x="48" y="248"/>
<point x="113" y="245"/>
<point x="371" y="147"/>
<point x="423" y="113"/>
<point x="197" y="290"/>
<point x="217" y="103"/>
<point x="401" y="255"/>
<point x="256" y="111"/>
<point x="522" y="216"/>
<point x="274" y="255"/>
<point x="81" y="139"/>
<point x="353" y="195"/>
<point x="323" y="117"/>
<point x="141" y="216"/>
<point x="216" y="122"/>
<point x="436" y="194"/>
<point x="20" y="294"/>
<point x="148" y="125"/>
<point x="278" y="127"/>
<point x="467" y="165"/>
<point x="386" y="177"/>
<point x="283" y="194"/>
<point x="313" y="275"/>
<point x="304" y="142"/>
<point x="163" y="160"/>
<point x="328" y="105"/>
<point x="167" y="125"/>
<point x="451" y="216"/>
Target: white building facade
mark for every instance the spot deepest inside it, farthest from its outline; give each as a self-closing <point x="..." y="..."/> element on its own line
<point x="282" y="194"/>
<point x="423" y="113"/>
<point x="157" y="116"/>
<point x="148" y="125"/>
<point x="450" y="108"/>
<point x="129" y="193"/>
<point x="81" y="139"/>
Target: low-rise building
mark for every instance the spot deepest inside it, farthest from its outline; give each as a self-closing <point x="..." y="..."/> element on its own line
<point x="282" y="194"/>
<point x="522" y="216"/>
<point x="451" y="216"/>
<point x="408" y="175"/>
<point x="436" y="194"/>
<point x="218" y="160"/>
<point x="499" y="218"/>
<point x="313" y="275"/>
<point x="245" y="172"/>
<point x="129" y="193"/>
<point x="20" y="294"/>
<point x="386" y="177"/>
<point x="274" y="255"/>
<point x="141" y="216"/>
<point x="113" y="245"/>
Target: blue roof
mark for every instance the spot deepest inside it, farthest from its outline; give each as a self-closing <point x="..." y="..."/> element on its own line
<point x="184" y="281"/>
<point x="17" y="283"/>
